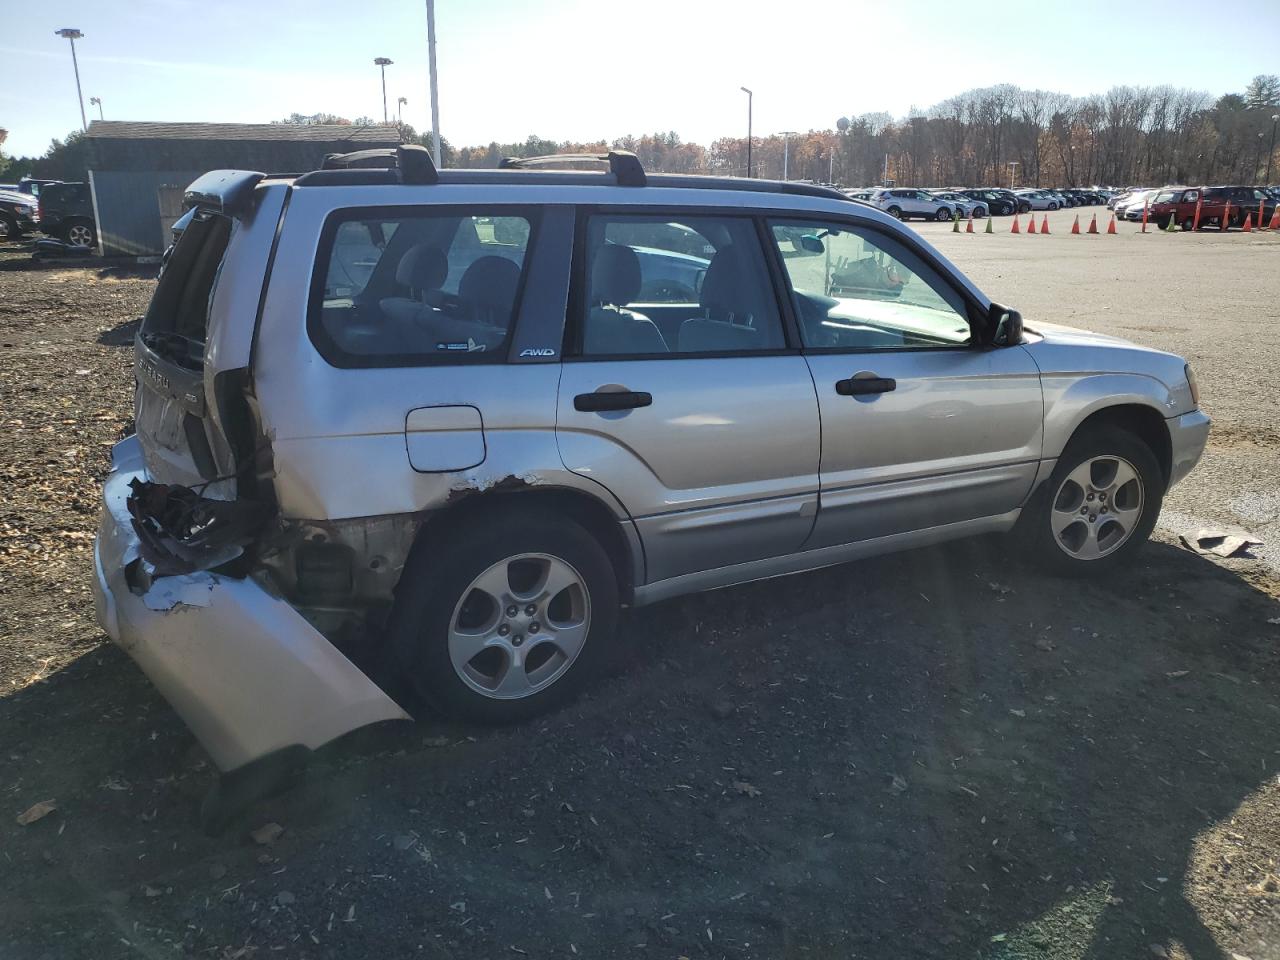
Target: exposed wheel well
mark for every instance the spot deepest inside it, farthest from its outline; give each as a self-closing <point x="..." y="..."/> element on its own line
<point x="586" y="510"/>
<point x="1144" y="422"/>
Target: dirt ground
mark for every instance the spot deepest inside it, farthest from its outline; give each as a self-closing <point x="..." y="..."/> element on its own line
<point x="937" y="754"/>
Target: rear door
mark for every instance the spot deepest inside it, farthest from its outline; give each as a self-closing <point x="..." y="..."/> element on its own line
<point x="921" y="427"/>
<point x="680" y="393"/>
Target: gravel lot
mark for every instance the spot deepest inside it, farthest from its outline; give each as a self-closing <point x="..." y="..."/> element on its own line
<point x="937" y="754"/>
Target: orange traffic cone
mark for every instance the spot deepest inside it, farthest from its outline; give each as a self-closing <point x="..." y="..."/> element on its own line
<point x="1248" y="223"/>
<point x="1031" y="223"/>
<point x="1044" y="226"/>
<point x="969" y="227"/>
<point x="1111" y="227"/>
<point x="1093" y="225"/>
<point x="1015" y="225"/>
<point x="1275" y="219"/>
<point x="1075" y="227"/>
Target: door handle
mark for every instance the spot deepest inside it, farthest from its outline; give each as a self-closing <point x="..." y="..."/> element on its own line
<point x="612" y="400"/>
<point x="859" y="386"/>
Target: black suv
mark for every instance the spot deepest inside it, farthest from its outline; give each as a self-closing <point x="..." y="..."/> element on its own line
<point x="1001" y="203"/>
<point x="17" y="215"/>
<point x="66" y="212"/>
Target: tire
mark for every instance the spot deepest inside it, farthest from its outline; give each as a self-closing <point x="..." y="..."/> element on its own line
<point x="1188" y="224"/>
<point x="943" y="215"/>
<point x="9" y="229"/>
<point x="80" y="232"/>
<point x="1024" y="208"/>
<point x="980" y="213"/>
<point x="1131" y="510"/>
<point x="1053" y="206"/>
<point x="895" y="212"/>
<point x="524" y="664"/>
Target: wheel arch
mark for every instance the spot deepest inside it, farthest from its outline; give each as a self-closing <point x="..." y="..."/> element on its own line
<point x="615" y="534"/>
<point x="1143" y="421"/>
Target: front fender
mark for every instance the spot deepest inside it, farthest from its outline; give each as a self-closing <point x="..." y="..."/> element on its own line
<point x="1070" y="399"/>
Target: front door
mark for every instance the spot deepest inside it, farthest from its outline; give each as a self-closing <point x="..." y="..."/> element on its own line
<point x="679" y="393"/>
<point x="920" y="426"/>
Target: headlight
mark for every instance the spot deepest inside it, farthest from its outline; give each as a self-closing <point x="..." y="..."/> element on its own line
<point x="1191" y="383"/>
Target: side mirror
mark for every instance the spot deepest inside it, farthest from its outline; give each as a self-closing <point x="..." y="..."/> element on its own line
<point x="1005" y="325"/>
<point x="810" y="243"/>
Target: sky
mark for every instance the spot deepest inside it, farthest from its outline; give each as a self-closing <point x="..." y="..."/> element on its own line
<point x="589" y="69"/>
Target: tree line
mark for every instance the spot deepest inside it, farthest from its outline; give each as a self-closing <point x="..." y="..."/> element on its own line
<point x="989" y="136"/>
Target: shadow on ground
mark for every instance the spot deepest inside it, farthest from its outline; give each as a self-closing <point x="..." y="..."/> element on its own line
<point x="929" y="755"/>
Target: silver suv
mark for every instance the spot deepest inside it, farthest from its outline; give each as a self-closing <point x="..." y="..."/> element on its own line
<point x="903" y="204"/>
<point x="400" y="429"/>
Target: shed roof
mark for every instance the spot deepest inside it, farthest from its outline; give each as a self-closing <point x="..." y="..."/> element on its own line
<point x="322" y="132"/>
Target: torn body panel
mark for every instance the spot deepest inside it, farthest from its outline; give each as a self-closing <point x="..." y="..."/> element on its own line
<point x="242" y="667"/>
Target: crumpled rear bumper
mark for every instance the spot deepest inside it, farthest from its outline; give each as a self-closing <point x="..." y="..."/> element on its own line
<point x="248" y="674"/>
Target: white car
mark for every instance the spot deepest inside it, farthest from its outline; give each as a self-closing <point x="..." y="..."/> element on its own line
<point x="1131" y="207"/>
<point x="967" y="205"/>
<point x="905" y="203"/>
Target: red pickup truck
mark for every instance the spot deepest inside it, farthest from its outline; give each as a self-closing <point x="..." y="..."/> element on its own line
<point x="1179" y="204"/>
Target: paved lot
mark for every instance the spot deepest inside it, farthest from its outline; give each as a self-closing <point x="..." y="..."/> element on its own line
<point x="940" y="754"/>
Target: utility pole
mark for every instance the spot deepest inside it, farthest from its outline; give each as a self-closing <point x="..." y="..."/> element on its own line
<point x="1275" y="118"/>
<point x="435" y="99"/>
<point x="750" y="98"/>
<point x="382" y="63"/>
<point x="72" y="34"/>
<point x="786" y="135"/>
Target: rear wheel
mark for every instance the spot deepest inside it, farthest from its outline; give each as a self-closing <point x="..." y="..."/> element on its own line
<point x="81" y="233"/>
<point x="506" y="619"/>
<point x="1098" y="506"/>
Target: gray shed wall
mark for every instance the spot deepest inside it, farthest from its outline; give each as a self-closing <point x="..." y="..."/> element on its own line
<point x="130" y="219"/>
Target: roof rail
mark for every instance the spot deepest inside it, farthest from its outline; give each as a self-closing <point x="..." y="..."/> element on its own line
<point x="407" y="163"/>
<point x="623" y="164"/>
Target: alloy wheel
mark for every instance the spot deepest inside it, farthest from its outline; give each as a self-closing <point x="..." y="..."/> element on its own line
<point x="80" y="235"/>
<point x="519" y="626"/>
<point x="1097" y="508"/>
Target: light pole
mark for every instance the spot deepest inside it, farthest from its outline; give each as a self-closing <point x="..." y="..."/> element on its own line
<point x="72" y="34"/>
<point x="750" y="99"/>
<point x="786" y="155"/>
<point x="431" y="60"/>
<point x="382" y="63"/>
<point x="400" y="110"/>
<point x="1275" y="118"/>
<point x="1013" y="171"/>
<point x="97" y="101"/>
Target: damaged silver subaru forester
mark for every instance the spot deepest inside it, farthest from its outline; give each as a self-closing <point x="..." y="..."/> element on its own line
<point x="438" y="426"/>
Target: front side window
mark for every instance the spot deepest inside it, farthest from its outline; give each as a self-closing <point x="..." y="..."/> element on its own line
<point x="658" y="286"/>
<point x="404" y="287"/>
<point x="857" y="289"/>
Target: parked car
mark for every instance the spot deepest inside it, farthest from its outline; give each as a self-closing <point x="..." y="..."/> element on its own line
<point x="18" y="215"/>
<point x="1235" y="203"/>
<point x="904" y="204"/>
<point x="1000" y="203"/>
<point x="30" y="186"/>
<point x="1039" y="199"/>
<point x="462" y="457"/>
<point x="967" y="205"/>
<point x="66" y="212"/>
<point x="1132" y="206"/>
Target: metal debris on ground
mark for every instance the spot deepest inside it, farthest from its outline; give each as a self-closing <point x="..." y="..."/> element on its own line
<point x="1219" y="541"/>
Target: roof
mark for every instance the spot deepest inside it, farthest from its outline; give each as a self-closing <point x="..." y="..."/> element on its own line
<point x="323" y="132"/>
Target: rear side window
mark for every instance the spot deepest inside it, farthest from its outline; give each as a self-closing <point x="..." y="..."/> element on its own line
<point x="178" y="316"/>
<point x="401" y="287"/>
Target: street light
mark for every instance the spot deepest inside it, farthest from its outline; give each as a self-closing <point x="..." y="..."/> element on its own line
<point x="97" y="101"/>
<point x="750" y="98"/>
<point x="72" y="34"/>
<point x="431" y="61"/>
<point x="1275" y="117"/>
<point x="400" y="110"/>
<point x="1013" y="170"/>
<point x="383" y="63"/>
<point x="785" y="151"/>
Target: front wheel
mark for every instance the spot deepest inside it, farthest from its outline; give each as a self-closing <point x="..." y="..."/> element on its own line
<point x="1053" y="206"/>
<point x="506" y="619"/>
<point x="8" y="229"/>
<point x="943" y="215"/>
<point x="895" y="212"/>
<point x="1024" y="208"/>
<point x="1098" y="506"/>
<point x="1188" y="224"/>
<point x="980" y="212"/>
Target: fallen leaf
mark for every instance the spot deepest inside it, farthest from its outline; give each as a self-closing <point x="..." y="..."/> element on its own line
<point x="267" y="833"/>
<point x="1017" y="713"/>
<point x="37" y="811"/>
<point x="897" y="784"/>
<point x="746" y="789"/>
<point x="1177" y="674"/>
